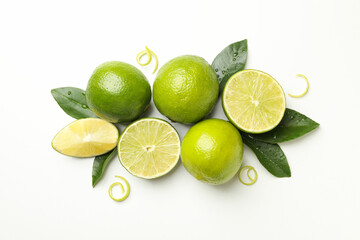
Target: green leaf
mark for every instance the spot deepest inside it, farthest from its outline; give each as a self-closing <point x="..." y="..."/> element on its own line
<point x="100" y="164"/>
<point x="73" y="102"/>
<point x="293" y="125"/>
<point x="229" y="61"/>
<point x="270" y="156"/>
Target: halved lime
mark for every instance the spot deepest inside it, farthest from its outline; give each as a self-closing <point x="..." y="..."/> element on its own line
<point x="254" y="101"/>
<point x="86" y="137"/>
<point x="149" y="148"/>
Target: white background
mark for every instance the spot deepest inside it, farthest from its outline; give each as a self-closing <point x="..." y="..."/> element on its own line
<point x="49" y="44"/>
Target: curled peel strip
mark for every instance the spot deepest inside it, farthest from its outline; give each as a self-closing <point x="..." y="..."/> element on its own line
<point x="125" y="191"/>
<point x="249" y="168"/>
<point x="150" y="55"/>
<point x="306" y="90"/>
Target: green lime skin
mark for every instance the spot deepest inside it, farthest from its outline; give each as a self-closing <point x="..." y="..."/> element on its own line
<point x="118" y="92"/>
<point x="186" y="89"/>
<point x="212" y="151"/>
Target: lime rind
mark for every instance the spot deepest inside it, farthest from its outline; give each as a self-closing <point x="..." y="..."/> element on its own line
<point x="125" y="191"/>
<point x="249" y="168"/>
<point x="150" y="55"/>
<point x="143" y="144"/>
<point x="185" y="89"/>
<point x="306" y="90"/>
<point x="256" y="115"/>
<point x="212" y="151"/>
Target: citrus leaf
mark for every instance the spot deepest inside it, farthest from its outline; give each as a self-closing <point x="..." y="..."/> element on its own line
<point x="73" y="102"/>
<point x="270" y="156"/>
<point x="229" y="61"/>
<point x="100" y="164"/>
<point x="292" y="126"/>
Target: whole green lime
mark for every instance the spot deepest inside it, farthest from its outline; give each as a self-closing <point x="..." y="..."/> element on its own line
<point x="118" y="92"/>
<point x="212" y="151"/>
<point x="186" y="89"/>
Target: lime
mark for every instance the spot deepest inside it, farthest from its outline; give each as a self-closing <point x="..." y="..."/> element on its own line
<point x="212" y="151"/>
<point x="118" y="92"/>
<point x="253" y="101"/>
<point x="186" y="89"/>
<point x="86" y="137"/>
<point x="149" y="148"/>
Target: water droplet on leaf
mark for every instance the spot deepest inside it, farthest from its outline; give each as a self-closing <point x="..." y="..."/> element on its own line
<point x="69" y="92"/>
<point x="84" y="106"/>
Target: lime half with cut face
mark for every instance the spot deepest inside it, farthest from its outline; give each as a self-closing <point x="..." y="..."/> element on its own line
<point x="149" y="148"/>
<point x="254" y="101"/>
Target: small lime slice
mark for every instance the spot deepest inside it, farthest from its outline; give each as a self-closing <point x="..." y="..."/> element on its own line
<point x="86" y="138"/>
<point x="254" y="101"/>
<point x="149" y="148"/>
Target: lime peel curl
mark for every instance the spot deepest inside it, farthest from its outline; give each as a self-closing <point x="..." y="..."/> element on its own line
<point x="125" y="191"/>
<point x="249" y="168"/>
<point x="306" y="90"/>
<point x="150" y="55"/>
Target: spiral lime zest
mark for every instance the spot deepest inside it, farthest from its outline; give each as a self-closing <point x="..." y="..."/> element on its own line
<point x="125" y="191"/>
<point x="249" y="168"/>
<point x="150" y="54"/>
<point x="306" y="90"/>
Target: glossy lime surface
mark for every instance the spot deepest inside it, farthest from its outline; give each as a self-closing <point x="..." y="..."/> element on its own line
<point x="118" y="92"/>
<point x="186" y="89"/>
<point x="212" y="151"/>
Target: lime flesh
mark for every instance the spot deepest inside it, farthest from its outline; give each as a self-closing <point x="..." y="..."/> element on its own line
<point x="86" y="137"/>
<point x="254" y="101"/>
<point x="149" y="148"/>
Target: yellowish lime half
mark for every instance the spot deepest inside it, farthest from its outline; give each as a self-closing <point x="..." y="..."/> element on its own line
<point x="149" y="148"/>
<point x="86" y="138"/>
<point x="254" y="101"/>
